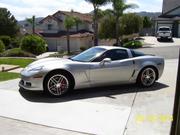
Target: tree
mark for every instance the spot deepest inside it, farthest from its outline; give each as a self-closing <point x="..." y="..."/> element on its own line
<point x="107" y="27"/>
<point x="119" y="6"/>
<point x="8" y="23"/>
<point x="147" y="22"/>
<point x="2" y="47"/>
<point x="96" y="4"/>
<point x="68" y="23"/>
<point x="76" y="19"/>
<point x="32" y="22"/>
<point x="77" y="22"/>
<point x="131" y="23"/>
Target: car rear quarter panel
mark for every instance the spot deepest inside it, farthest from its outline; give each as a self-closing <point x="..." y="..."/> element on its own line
<point x="145" y="61"/>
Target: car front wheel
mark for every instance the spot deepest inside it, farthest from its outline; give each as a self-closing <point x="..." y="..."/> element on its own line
<point x="57" y="84"/>
<point x="147" y="77"/>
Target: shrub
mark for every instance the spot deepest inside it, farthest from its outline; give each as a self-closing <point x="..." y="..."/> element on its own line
<point x="15" y="43"/>
<point x="125" y="40"/>
<point x="83" y="48"/>
<point x="6" y="40"/>
<point x="2" y="47"/>
<point x="133" y="44"/>
<point x="33" y="44"/>
<point x="16" y="52"/>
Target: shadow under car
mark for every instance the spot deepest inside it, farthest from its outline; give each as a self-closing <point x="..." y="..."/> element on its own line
<point x="110" y="91"/>
<point x="165" y="40"/>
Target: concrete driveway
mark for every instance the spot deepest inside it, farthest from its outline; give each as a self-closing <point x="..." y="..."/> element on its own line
<point x="117" y="110"/>
<point x="151" y="41"/>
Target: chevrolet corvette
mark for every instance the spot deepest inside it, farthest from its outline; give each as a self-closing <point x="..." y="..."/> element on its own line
<point x="97" y="66"/>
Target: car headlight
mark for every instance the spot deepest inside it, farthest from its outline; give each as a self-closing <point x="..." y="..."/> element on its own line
<point x="36" y="69"/>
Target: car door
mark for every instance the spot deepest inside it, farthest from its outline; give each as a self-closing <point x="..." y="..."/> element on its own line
<point x="119" y="69"/>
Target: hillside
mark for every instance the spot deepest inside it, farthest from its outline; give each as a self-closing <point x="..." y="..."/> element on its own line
<point x="149" y="14"/>
<point x="22" y="22"/>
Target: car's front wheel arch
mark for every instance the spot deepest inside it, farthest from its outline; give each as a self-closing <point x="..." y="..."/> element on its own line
<point x="59" y="71"/>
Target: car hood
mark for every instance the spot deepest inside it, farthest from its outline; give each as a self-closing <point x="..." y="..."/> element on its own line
<point x="49" y="62"/>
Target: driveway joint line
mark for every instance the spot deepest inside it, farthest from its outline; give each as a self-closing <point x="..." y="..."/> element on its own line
<point x="134" y="99"/>
<point x="44" y="125"/>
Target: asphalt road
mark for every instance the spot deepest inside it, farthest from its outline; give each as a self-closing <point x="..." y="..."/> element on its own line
<point x="166" y="52"/>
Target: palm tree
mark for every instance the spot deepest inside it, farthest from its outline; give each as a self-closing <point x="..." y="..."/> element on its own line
<point x="119" y="6"/>
<point x="96" y="4"/>
<point x="68" y="23"/>
<point x="32" y="22"/>
<point x="77" y="22"/>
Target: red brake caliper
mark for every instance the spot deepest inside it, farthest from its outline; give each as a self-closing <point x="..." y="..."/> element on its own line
<point x="63" y="84"/>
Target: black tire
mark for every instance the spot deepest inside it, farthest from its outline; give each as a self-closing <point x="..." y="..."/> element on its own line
<point x="57" y="91"/>
<point x="141" y="77"/>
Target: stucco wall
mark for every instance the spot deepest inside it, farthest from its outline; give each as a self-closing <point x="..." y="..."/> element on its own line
<point x="166" y="23"/>
<point x="163" y="23"/>
<point x="170" y="4"/>
<point x="54" y="29"/>
<point x="58" y="44"/>
<point x="175" y="12"/>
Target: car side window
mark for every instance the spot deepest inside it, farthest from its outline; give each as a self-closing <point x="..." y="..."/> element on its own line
<point x="116" y="54"/>
<point x="137" y="54"/>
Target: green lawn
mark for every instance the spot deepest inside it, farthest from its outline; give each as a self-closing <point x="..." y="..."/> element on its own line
<point x="4" y="76"/>
<point x="16" y="61"/>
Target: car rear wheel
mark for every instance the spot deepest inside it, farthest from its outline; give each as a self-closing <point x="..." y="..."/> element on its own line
<point x="147" y="77"/>
<point x="57" y="84"/>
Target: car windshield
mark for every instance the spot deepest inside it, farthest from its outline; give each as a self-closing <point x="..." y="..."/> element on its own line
<point x="164" y="29"/>
<point x="89" y="54"/>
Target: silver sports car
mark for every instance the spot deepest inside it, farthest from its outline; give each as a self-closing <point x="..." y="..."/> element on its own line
<point x="97" y="66"/>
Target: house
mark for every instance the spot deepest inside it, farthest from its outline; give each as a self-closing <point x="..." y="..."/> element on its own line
<point x="54" y="32"/>
<point x="52" y="29"/>
<point x="170" y="17"/>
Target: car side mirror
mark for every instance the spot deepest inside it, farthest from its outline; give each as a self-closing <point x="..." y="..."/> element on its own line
<point x="106" y="60"/>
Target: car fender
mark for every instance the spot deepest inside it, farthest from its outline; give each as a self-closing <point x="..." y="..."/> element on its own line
<point x="141" y="63"/>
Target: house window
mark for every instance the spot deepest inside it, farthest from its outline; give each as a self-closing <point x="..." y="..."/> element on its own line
<point x="49" y="26"/>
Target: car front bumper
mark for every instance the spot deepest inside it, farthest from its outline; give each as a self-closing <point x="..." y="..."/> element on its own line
<point x="32" y="82"/>
<point x="164" y="37"/>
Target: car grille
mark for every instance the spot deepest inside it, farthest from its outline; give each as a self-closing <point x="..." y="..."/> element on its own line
<point x="22" y="82"/>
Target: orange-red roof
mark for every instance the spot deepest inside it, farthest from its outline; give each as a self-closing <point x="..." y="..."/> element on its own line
<point x="50" y="17"/>
<point x="81" y="16"/>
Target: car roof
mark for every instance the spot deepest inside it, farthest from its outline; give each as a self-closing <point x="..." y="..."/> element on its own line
<point x="110" y="47"/>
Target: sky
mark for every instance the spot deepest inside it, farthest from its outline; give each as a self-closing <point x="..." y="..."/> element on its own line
<point x="22" y="9"/>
